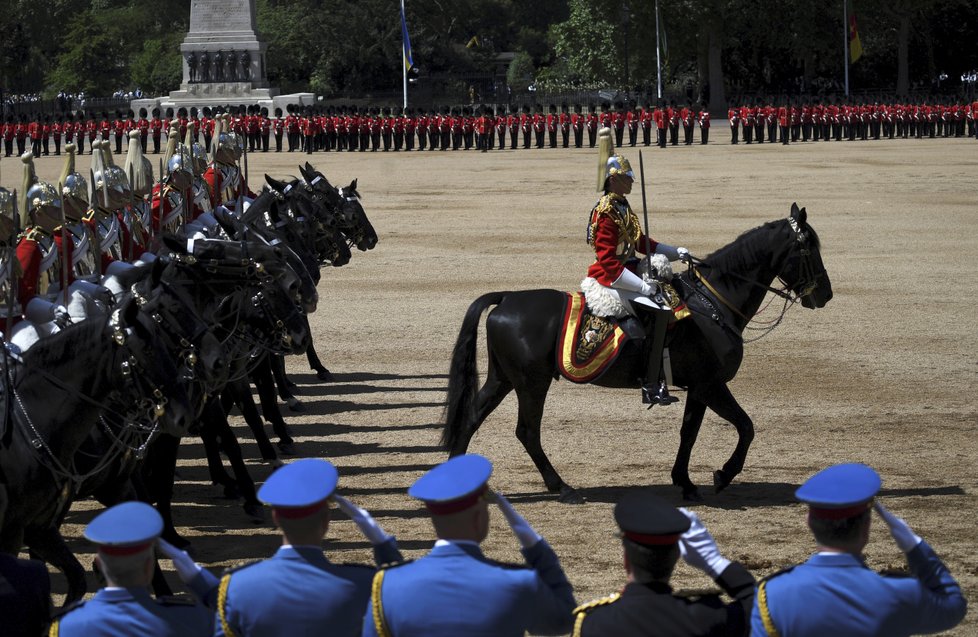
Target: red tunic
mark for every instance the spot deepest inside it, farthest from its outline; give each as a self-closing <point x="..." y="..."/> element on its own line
<point x="611" y="249"/>
<point x="30" y="255"/>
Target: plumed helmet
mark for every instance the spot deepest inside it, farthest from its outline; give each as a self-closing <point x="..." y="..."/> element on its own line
<point x="138" y="169"/>
<point x="110" y="182"/>
<point x="74" y="187"/>
<point x="38" y="195"/>
<point x="177" y="162"/>
<point x="227" y="148"/>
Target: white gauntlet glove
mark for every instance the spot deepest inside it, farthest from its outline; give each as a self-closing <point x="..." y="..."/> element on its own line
<point x="906" y="540"/>
<point x="699" y="549"/>
<point x="521" y="528"/>
<point x="631" y="282"/>
<point x="683" y="254"/>
<point x="364" y="521"/>
<point x="187" y="569"/>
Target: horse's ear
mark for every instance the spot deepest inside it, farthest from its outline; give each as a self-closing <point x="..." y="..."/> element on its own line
<point x="308" y="172"/>
<point x="130" y="313"/>
<point x="156" y="271"/>
<point x="803" y="216"/>
<point x="276" y="185"/>
<point x="353" y="186"/>
<point x="794" y="210"/>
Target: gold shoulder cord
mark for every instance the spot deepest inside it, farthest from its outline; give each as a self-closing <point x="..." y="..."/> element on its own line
<point x="380" y="624"/>
<point x="578" y="624"/>
<point x="769" y="626"/>
<point x="222" y="598"/>
<point x="55" y="627"/>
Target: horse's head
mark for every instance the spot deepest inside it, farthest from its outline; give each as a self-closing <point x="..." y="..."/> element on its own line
<point x="803" y="271"/>
<point x="148" y="374"/>
<point x="357" y="226"/>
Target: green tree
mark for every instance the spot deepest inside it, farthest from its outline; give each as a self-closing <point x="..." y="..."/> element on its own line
<point x="586" y="44"/>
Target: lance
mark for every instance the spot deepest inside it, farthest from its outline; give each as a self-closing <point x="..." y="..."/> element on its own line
<point x="158" y="226"/>
<point x="133" y="213"/>
<point x="96" y="241"/>
<point x="645" y="214"/>
<point x="245" y="184"/>
<point x="65" y="259"/>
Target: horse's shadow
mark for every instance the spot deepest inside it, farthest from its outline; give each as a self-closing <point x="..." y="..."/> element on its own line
<point x="327" y="407"/>
<point x="737" y="497"/>
<point x="309" y="378"/>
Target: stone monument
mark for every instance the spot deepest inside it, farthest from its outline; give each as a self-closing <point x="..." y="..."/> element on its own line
<point x="224" y="61"/>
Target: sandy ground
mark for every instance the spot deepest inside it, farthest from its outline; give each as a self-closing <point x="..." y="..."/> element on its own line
<point x="884" y="374"/>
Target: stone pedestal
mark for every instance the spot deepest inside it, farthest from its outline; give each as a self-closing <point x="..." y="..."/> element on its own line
<point x="223" y="59"/>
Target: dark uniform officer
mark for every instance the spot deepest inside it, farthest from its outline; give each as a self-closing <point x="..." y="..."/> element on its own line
<point x="654" y="535"/>
<point x="834" y="593"/>
<point x="455" y="590"/>
<point x="25" y="596"/>
<point x="126" y="535"/>
<point x="298" y="591"/>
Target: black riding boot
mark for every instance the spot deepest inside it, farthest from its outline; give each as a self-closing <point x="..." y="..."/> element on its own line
<point x="654" y="388"/>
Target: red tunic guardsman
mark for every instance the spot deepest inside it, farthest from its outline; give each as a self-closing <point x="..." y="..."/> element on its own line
<point x="44" y="257"/>
<point x="613" y="286"/>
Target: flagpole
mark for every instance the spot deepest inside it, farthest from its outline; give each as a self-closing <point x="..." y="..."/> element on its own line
<point x="658" y="64"/>
<point x="845" y="40"/>
<point x="403" y="56"/>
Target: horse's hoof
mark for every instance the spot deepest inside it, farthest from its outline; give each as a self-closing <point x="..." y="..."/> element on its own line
<point x="286" y="448"/>
<point x="231" y="491"/>
<point x="295" y="404"/>
<point x="255" y="512"/>
<point x="324" y="375"/>
<point x="569" y="495"/>
<point x="720" y="481"/>
<point x="692" y="495"/>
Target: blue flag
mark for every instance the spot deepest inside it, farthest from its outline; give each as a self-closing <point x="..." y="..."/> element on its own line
<point x="408" y="60"/>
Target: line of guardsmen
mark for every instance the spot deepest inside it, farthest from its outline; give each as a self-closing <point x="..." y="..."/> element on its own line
<point x="455" y="589"/>
<point x="351" y="128"/>
<point x="75" y="230"/>
<point x="814" y="120"/>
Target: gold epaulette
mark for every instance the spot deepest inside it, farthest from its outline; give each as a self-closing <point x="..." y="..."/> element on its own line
<point x="603" y="601"/>
<point x="581" y="611"/>
<point x="33" y="234"/>
<point x="604" y="207"/>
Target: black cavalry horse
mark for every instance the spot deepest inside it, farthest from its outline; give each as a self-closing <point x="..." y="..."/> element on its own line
<point x="522" y="339"/>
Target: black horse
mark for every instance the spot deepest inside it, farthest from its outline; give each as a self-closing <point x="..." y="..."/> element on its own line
<point x="522" y="339"/>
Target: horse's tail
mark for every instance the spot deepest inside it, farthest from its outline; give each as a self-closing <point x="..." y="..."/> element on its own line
<point x="462" y="375"/>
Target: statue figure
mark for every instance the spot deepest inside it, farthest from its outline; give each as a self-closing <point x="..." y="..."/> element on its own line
<point x="192" y="66"/>
<point x="218" y="73"/>
<point x="245" y="66"/>
<point x="229" y="71"/>
<point x="204" y="66"/>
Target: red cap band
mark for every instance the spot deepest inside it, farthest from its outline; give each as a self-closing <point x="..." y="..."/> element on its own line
<point x="454" y="506"/>
<point x="837" y="514"/>
<point x="642" y="538"/>
<point x="293" y="513"/>
<point x="121" y="551"/>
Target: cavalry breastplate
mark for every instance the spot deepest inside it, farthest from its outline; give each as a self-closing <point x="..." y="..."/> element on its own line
<point x="108" y="231"/>
<point x="175" y="214"/>
<point x="83" y="254"/>
<point x="201" y="195"/>
<point x="616" y="208"/>
<point x="230" y="178"/>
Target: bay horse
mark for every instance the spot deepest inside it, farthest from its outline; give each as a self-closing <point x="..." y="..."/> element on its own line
<point x="725" y="291"/>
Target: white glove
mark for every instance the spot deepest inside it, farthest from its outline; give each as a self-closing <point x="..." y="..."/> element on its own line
<point x="683" y="254"/>
<point x="699" y="549"/>
<point x="186" y="567"/>
<point x="364" y="521"/>
<point x="630" y="281"/>
<point x="521" y="528"/>
<point x="904" y="537"/>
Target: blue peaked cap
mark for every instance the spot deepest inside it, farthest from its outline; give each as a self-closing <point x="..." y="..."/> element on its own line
<point x="840" y="486"/>
<point x="453" y="480"/>
<point x="126" y="524"/>
<point x="300" y="484"/>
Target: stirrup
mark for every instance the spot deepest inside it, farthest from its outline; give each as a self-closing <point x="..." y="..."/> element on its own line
<point x="660" y="395"/>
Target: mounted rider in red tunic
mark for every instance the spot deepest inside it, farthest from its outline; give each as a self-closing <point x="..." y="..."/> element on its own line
<point x="613" y="286"/>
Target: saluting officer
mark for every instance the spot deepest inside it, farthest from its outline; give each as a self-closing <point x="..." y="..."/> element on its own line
<point x="298" y="591"/>
<point x="654" y="534"/>
<point x="125" y="536"/>
<point x="834" y="592"/>
<point x="455" y="589"/>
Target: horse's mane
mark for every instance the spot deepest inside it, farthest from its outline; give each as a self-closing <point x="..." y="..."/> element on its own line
<point x="744" y="251"/>
<point x="54" y="349"/>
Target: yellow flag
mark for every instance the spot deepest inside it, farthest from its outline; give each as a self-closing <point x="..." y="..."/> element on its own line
<point x="855" y="46"/>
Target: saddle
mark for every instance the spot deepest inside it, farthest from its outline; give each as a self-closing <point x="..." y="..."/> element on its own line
<point x="587" y="345"/>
